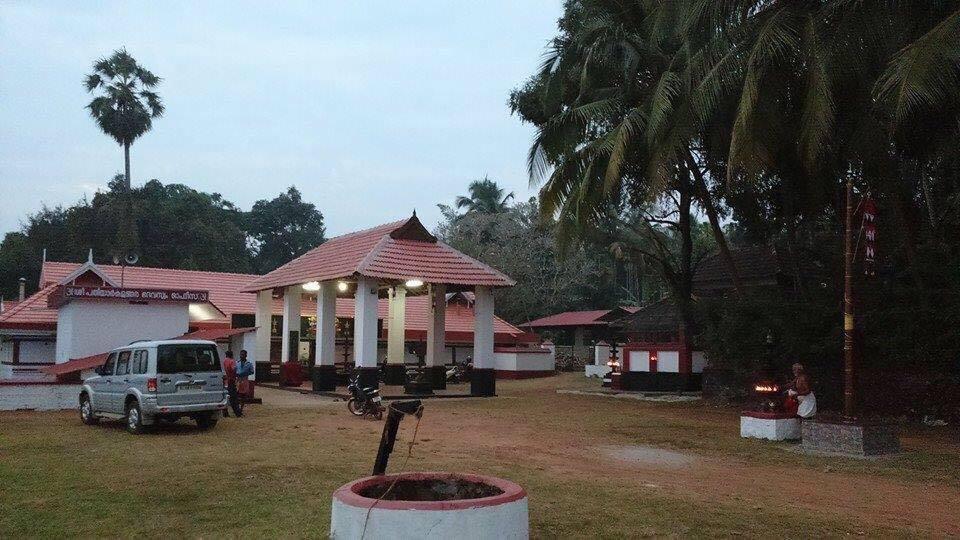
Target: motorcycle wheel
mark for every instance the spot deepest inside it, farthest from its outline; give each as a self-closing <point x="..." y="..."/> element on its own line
<point x="354" y="408"/>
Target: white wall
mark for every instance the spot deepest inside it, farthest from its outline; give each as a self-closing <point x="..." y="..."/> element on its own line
<point x="514" y="361"/>
<point x="85" y="328"/>
<point x="39" y="397"/>
<point x="601" y="355"/>
<point x="699" y="361"/>
<point x="37" y="352"/>
<point x="668" y="362"/>
<point x="639" y="360"/>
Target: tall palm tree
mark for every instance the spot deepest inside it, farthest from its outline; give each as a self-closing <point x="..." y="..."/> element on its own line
<point x="126" y="104"/>
<point x="486" y="197"/>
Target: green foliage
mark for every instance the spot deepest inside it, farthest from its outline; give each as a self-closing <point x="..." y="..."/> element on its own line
<point x="126" y="104"/>
<point x="522" y="245"/>
<point x="775" y="105"/>
<point x="282" y="229"/>
<point x="486" y="197"/>
<point x="169" y="226"/>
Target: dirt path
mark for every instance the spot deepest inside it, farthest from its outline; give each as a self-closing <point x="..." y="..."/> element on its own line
<point x="866" y="498"/>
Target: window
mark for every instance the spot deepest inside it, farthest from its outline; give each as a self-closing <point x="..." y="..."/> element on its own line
<point x="187" y="358"/>
<point x="123" y="363"/>
<point x="107" y="368"/>
<point x="139" y="362"/>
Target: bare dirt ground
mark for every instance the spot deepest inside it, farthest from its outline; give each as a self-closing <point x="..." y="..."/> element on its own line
<point x="831" y="487"/>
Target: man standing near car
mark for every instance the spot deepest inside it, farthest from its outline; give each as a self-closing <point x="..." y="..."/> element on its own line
<point x="244" y="371"/>
<point x="230" y="379"/>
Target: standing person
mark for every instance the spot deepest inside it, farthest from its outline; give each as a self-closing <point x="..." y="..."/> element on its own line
<point x="800" y="389"/>
<point x="244" y="371"/>
<point x="230" y="378"/>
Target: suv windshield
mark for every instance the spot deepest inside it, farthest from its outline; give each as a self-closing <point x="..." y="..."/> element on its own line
<point x="187" y="358"/>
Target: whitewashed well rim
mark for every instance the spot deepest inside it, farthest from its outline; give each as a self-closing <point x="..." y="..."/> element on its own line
<point x="349" y="494"/>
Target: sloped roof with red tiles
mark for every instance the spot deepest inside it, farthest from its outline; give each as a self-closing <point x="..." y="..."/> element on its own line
<point x="570" y="318"/>
<point x="399" y="250"/>
<point x="225" y="293"/>
<point x="216" y="334"/>
<point x="32" y="313"/>
<point x="76" y="364"/>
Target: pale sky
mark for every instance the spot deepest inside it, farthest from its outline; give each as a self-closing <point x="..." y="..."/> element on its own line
<point x="370" y="108"/>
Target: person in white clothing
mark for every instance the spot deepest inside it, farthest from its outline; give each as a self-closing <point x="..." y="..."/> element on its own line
<point x="801" y="390"/>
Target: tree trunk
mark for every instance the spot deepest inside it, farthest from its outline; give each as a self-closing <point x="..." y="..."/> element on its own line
<point x="712" y="216"/>
<point x="686" y="254"/>
<point x="126" y="163"/>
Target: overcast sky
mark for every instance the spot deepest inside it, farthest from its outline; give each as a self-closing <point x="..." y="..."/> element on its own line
<point x="370" y="108"/>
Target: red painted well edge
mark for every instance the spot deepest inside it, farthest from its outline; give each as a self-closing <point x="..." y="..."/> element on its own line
<point x="768" y="415"/>
<point x="349" y="493"/>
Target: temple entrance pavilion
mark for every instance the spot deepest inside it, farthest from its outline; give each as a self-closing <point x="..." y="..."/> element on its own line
<point x="390" y="261"/>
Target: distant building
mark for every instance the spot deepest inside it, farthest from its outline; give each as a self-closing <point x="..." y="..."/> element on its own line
<point x="579" y="328"/>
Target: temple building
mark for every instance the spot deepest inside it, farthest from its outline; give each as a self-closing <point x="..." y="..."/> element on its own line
<point x="337" y="304"/>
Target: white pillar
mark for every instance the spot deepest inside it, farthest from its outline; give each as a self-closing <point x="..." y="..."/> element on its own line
<point x="262" y="318"/>
<point x="601" y="354"/>
<point x="326" y="323"/>
<point x="483" y="328"/>
<point x="365" y="324"/>
<point x="291" y="323"/>
<point x="396" y="342"/>
<point x="436" y="320"/>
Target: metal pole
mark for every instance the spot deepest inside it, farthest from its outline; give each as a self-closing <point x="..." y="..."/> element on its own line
<point x="848" y="321"/>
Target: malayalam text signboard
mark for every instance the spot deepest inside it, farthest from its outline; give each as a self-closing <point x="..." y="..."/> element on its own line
<point x="77" y="292"/>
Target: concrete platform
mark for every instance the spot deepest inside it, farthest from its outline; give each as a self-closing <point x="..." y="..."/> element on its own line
<point x="857" y="439"/>
<point x="769" y="426"/>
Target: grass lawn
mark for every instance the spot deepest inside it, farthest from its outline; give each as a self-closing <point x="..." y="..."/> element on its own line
<point x="593" y="467"/>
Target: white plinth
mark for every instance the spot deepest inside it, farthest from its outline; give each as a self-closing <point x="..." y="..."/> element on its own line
<point x="596" y="371"/>
<point x="772" y="429"/>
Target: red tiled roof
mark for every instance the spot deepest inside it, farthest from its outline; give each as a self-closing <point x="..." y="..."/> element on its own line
<point x="223" y="286"/>
<point x="33" y="313"/>
<point x="76" y="364"/>
<point x="570" y="318"/>
<point x="398" y="250"/>
<point x="216" y="334"/>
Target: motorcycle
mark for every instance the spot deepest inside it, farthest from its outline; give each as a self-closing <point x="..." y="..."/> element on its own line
<point x="457" y="374"/>
<point x="364" y="401"/>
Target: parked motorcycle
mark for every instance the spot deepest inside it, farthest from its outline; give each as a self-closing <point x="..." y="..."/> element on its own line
<point x="458" y="373"/>
<point x="364" y="401"/>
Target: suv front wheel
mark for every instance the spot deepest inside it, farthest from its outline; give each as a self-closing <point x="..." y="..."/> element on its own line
<point x="86" y="411"/>
<point x="134" y="418"/>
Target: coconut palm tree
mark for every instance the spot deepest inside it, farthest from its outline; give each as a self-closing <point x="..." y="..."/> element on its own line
<point x="125" y="105"/>
<point x="486" y="197"/>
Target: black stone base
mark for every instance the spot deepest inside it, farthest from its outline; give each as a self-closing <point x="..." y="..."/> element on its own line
<point x="324" y="378"/>
<point x="660" y="382"/>
<point x="369" y="377"/>
<point x="483" y="382"/>
<point x="855" y="439"/>
<point x="394" y="374"/>
<point x="438" y="377"/>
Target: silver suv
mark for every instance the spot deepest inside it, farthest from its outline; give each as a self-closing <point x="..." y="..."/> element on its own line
<point x="149" y="381"/>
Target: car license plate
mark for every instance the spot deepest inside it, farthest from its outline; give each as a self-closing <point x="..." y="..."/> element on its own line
<point x="377" y="399"/>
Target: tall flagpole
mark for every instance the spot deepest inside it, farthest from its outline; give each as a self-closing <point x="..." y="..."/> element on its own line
<point x="848" y="324"/>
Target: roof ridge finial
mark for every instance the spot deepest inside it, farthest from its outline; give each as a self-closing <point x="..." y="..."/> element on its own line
<point x="90" y="256"/>
<point x="414" y="212"/>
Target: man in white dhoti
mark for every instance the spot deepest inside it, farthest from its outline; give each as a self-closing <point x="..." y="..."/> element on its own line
<point x="800" y="389"/>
